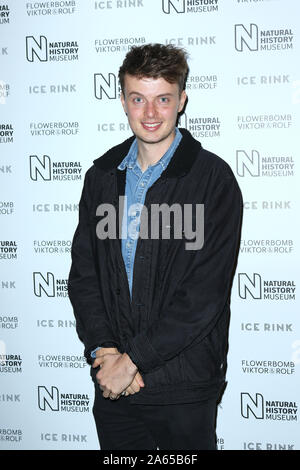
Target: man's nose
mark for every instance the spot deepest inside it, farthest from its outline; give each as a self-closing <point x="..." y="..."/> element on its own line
<point x="150" y="110"/>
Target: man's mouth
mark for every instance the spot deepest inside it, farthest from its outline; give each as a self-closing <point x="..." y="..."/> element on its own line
<point x="151" y="126"/>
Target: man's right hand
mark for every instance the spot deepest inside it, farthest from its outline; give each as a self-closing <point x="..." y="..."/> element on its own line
<point x="137" y="382"/>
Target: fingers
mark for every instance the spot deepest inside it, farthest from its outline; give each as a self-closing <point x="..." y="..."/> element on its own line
<point x="114" y="397"/>
<point x="106" y="393"/>
<point x="129" y="391"/>
<point x="96" y="362"/>
<point x="109" y="394"/>
<point x="134" y="387"/>
<point x="139" y="379"/>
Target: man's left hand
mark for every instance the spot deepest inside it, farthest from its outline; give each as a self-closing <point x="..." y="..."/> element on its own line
<point x="116" y="373"/>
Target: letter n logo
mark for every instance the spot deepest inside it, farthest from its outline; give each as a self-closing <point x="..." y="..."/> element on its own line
<point x="177" y="5"/>
<point x="249" y="162"/>
<point x="41" y="284"/>
<point x="46" y="398"/>
<point x="107" y="86"/>
<point x="253" y="406"/>
<point x="245" y="37"/>
<point x="35" y="49"/>
<point x="249" y="286"/>
<point x="40" y="167"/>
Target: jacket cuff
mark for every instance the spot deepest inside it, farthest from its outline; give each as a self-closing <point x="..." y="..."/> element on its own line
<point x="142" y="354"/>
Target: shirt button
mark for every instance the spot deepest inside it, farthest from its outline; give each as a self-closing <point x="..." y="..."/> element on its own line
<point x="128" y="244"/>
<point x="142" y="185"/>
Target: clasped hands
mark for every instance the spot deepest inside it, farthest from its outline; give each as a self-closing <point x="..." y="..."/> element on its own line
<point x="118" y="375"/>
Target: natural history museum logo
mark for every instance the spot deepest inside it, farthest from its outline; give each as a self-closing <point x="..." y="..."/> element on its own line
<point x="190" y="6"/>
<point x="255" y="163"/>
<point x="44" y="169"/>
<point x="252" y="38"/>
<point x="258" y="407"/>
<point x="44" y="50"/>
<point x="201" y="126"/>
<point x="49" y="286"/>
<point x="51" y="398"/>
<point x="255" y="287"/>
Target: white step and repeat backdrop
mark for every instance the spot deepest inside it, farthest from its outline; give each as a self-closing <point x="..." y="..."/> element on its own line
<point x="59" y="110"/>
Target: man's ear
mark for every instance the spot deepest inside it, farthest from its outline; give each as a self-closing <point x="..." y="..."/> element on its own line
<point x="182" y="100"/>
<point x="123" y="102"/>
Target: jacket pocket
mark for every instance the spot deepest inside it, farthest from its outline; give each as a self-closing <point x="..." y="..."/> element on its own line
<point x="201" y="362"/>
<point x="171" y="373"/>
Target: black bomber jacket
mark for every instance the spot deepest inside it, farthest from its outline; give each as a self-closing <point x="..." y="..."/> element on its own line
<point x="175" y="325"/>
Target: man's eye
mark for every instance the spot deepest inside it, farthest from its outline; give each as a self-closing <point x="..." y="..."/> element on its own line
<point x="164" y="99"/>
<point x="137" y="100"/>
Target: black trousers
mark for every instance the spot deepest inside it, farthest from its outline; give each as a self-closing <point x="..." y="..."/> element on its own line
<point x="122" y="426"/>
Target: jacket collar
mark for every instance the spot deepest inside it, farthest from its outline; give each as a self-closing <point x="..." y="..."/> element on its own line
<point x="180" y="164"/>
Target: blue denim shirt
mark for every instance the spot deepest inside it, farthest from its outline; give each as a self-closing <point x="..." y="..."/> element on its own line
<point x="137" y="185"/>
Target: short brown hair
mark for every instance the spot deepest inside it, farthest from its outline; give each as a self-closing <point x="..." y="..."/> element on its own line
<point x="156" y="61"/>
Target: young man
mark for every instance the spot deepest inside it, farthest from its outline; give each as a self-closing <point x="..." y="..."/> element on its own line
<point x="152" y="306"/>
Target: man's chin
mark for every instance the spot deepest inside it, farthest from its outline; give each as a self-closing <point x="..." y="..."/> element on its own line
<point x="150" y="140"/>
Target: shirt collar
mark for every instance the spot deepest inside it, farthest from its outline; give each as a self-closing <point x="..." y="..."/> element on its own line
<point x="131" y="158"/>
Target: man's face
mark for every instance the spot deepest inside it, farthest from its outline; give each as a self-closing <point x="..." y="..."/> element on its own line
<point x="152" y="106"/>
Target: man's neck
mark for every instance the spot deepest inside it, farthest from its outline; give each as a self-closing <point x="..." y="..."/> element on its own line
<point x="149" y="154"/>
